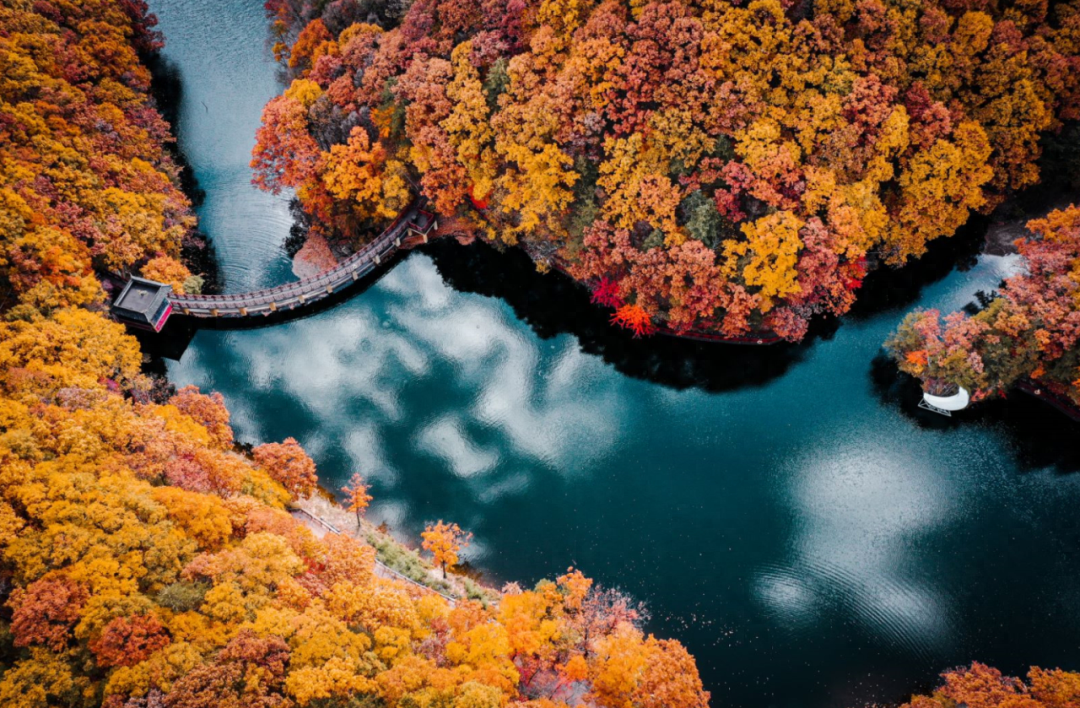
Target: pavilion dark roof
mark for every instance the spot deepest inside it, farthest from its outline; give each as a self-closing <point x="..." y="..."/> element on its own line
<point x="141" y="300"/>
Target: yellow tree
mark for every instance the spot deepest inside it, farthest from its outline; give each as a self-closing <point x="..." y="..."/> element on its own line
<point x="444" y="541"/>
<point x="468" y="125"/>
<point x="772" y="247"/>
<point x="537" y="177"/>
<point x="621" y="658"/>
<point x="939" y="188"/>
<point x="638" y="190"/>
<point x="359" y="174"/>
<point x="539" y="190"/>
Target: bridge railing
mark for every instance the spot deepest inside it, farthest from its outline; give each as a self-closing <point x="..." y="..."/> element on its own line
<point x="380" y="567"/>
<point x="291" y="295"/>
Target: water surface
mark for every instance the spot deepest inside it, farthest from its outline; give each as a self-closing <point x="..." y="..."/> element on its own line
<point x="786" y="513"/>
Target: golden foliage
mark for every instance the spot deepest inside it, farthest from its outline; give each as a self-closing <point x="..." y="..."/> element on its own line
<point x="869" y="128"/>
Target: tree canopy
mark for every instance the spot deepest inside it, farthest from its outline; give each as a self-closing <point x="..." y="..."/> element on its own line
<point x="1029" y="331"/>
<point x="145" y="560"/>
<point x="980" y="686"/>
<point x="86" y="183"/>
<point x="734" y="167"/>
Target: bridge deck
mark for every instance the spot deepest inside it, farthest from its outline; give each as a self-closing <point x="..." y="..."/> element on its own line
<point x="309" y="290"/>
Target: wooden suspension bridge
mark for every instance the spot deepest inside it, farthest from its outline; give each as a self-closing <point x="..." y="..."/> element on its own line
<point x="147" y="305"/>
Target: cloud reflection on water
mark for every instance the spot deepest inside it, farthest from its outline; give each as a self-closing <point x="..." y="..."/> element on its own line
<point x="540" y="395"/>
<point x="446" y="439"/>
<point x="679" y="494"/>
<point x="862" y="508"/>
<point x="531" y="401"/>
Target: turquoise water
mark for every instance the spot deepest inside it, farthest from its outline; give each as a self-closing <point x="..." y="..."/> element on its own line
<point x="786" y="512"/>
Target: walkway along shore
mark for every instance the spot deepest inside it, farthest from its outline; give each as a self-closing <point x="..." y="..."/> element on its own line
<point x="320" y="526"/>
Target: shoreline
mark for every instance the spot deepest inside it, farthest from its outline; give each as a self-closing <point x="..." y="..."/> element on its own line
<point x="395" y="559"/>
<point x="166" y="94"/>
<point x="1051" y="398"/>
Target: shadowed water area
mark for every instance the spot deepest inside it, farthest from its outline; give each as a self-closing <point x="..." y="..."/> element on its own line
<point x="785" y="512"/>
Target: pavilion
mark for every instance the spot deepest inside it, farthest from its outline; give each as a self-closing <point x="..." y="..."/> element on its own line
<point x="143" y="304"/>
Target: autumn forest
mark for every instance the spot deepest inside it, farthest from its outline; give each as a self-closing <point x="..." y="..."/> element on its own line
<point x="709" y="169"/>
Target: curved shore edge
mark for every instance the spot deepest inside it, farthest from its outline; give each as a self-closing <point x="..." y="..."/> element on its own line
<point x="146" y="559"/>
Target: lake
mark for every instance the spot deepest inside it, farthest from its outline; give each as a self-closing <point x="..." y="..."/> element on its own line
<point x="786" y="512"/>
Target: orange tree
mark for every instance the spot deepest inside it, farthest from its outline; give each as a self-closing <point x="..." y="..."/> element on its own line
<point x="1030" y="330"/>
<point x="144" y="561"/>
<point x="86" y="183"/>
<point x="287" y="463"/>
<point x="444" y="542"/>
<point x="357" y="498"/>
<point x="981" y="686"/>
<point x="714" y="165"/>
